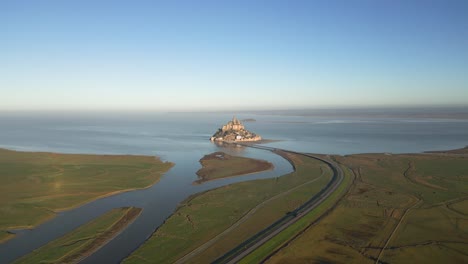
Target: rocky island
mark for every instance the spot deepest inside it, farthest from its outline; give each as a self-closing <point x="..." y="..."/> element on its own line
<point x="234" y="131"/>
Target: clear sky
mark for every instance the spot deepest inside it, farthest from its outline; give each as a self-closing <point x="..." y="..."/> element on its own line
<point x="208" y="55"/>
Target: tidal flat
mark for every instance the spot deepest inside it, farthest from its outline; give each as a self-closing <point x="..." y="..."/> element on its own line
<point x="35" y="186"/>
<point x="167" y="136"/>
<point x="390" y="207"/>
<point x="220" y="165"/>
<point x="241" y="208"/>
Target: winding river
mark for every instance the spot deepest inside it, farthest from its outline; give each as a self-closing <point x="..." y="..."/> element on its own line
<point x="158" y="203"/>
<point x="183" y="139"/>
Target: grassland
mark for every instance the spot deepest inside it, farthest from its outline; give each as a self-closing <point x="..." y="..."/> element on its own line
<point x="400" y="208"/>
<point x="84" y="240"/>
<point x="242" y="209"/>
<point x="4" y="236"/>
<point x="35" y="185"/>
<point x="295" y="229"/>
<point x="221" y="165"/>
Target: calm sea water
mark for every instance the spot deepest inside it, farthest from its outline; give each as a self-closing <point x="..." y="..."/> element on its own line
<point x="167" y="134"/>
<point x="183" y="139"/>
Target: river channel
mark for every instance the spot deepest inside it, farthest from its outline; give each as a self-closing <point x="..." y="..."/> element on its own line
<point x="158" y="203"/>
<point x="182" y="138"/>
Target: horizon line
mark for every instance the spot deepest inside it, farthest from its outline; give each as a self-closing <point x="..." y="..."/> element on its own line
<point x="241" y="109"/>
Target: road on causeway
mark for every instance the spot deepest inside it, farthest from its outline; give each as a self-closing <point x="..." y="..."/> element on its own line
<point x="254" y="242"/>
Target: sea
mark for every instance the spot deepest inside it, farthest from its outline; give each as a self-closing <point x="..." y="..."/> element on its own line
<point x="163" y="134"/>
<point x="183" y="138"/>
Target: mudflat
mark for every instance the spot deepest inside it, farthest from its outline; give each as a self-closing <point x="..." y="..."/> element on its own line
<point x="219" y="165"/>
<point x="391" y="208"/>
<point x="210" y="223"/>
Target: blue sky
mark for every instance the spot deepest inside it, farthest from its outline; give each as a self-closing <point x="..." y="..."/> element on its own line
<point x="210" y="55"/>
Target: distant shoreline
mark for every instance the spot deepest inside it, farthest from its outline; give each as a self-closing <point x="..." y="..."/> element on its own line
<point x="262" y="141"/>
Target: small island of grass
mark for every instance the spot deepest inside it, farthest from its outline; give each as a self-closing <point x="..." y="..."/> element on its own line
<point x="85" y="240"/>
<point x="389" y="208"/>
<point x="221" y="165"/>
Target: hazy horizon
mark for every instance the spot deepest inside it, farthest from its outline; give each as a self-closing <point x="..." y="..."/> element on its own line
<point x="437" y="112"/>
<point x="234" y="109"/>
<point x="217" y="56"/>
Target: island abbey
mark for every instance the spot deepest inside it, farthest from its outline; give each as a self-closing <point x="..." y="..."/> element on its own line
<point x="234" y="131"/>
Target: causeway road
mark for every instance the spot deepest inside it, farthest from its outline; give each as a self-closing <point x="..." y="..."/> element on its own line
<point x="252" y="211"/>
<point x="254" y="242"/>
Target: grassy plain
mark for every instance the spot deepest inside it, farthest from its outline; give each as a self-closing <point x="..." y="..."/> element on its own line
<point x="400" y="208"/>
<point x="245" y="208"/>
<point x="221" y="165"/>
<point x="84" y="240"/>
<point x="35" y="185"/>
<point x="289" y="233"/>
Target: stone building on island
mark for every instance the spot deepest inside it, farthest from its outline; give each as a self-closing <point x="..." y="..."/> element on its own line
<point x="234" y="131"/>
<point x="235" y="125"/>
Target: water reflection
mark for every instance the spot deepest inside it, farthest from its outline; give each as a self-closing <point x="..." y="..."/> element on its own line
<point x="230" y="148"/>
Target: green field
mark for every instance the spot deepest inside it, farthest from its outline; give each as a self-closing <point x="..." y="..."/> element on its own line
<point x="201" y="218"/>
<point x="35" y="185"/>
<point x="400" y="208"/>
<point x="221" y="165"/>
<point x="389" y="208"/>
<point x="289" y="233"/>
<point x="84" y="240"/>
